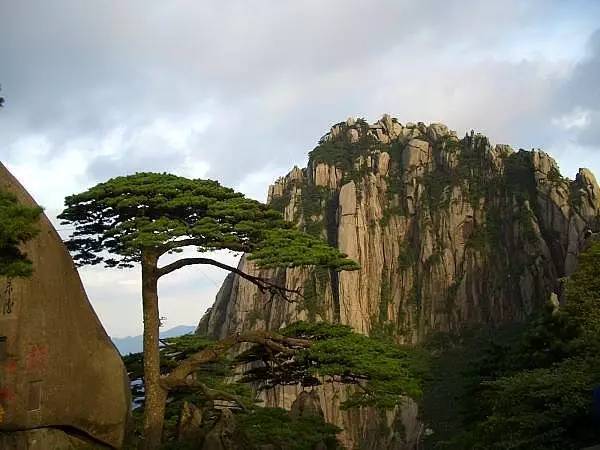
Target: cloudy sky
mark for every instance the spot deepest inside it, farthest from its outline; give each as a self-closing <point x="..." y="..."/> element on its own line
<point x="240" y="91"/>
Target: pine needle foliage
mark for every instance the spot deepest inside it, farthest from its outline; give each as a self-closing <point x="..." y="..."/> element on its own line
<point x="382" y="372"/>
<point x="276" y="428"/>
<point x="114" y="221"/>
<point x="18" y="224"/>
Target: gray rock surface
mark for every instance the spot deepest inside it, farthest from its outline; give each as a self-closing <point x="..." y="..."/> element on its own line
<point x="46" y="439"/>
<point x="59" y="367"/>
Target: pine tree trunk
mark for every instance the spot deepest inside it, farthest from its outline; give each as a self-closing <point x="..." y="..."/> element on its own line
<point x="155" y="395"/>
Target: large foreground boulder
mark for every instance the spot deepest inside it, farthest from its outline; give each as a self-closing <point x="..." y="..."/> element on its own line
<point x="58" y="367"/>
<point x="47" y="439"/>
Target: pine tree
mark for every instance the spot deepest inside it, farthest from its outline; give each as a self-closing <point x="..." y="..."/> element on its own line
<point x="137" y="219"/>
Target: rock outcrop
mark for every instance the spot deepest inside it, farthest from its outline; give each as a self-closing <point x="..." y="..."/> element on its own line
<point x="448" y="232"/>
<point x="59" y="371"/>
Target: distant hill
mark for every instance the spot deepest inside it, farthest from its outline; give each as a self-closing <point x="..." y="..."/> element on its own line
<point x="134" y="344"/>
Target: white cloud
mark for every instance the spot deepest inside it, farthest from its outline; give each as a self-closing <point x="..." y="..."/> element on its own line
<point x="576" y="119"/>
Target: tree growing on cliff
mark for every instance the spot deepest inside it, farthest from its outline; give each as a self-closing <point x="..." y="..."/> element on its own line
<point x="201" y="372"/>
<point x="18" y="224"/>
<point x="541" y="391"/>
<point x="137" y="219"/>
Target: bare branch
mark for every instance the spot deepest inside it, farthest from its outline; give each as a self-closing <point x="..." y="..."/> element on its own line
<point x="263" y="284"/>
<point x="271" y="340"/>
<point x="216" y="394"/>
<point x="198" y="242"/>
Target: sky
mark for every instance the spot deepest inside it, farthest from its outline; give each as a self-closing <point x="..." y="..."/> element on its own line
<point x="241" y="91"/>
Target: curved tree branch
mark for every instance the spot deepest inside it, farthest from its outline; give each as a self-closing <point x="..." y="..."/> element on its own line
<point x="263" y="284"/>
<point x="274" y="341"/>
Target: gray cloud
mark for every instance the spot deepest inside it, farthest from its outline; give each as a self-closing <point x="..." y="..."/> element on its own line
<point x="579" y="96"/>
<point x="271" y="74"/>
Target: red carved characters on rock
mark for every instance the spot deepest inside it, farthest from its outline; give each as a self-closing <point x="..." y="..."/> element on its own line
<point x="6" y="396"/>
<point x="37" y="358"/>
<point x="11" y="366"/>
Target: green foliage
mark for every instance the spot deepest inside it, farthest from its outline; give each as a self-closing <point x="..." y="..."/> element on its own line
<point x="339" y="151"/>
<point x="576" y="196"/>
<point x="453" y="379"/>
<point x="312" y="298"/>
<point x="384" y="371"/>
<point x="164" y="212"/>
<point x="519" y="176"/>
<point x="535" y="390"/>
<point x="254" y="315"/>
<point x="217" y="376"/>
<point x="279" y="203"/>
<point x="583" y="292"/>
<point x="473" y="170"/>
<point x="276" y="427"/>
<point x="313" y="203"/>
<point x="478" y="239"/>
<point x="438" y="183"/>
<point x="549" y="408"/>
<point x="313" y="199"/>
<point x="407" y="256"/>
<point x="390" y="372"/>
<point x="293" y="248"/>
<point x="555" y="177"/>
<point x="18" y="224"/>
<point x="385" y="296"/>
<point x="150" y="210"/>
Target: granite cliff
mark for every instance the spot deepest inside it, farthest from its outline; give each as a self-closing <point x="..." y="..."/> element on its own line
<point x="448" y="231"/>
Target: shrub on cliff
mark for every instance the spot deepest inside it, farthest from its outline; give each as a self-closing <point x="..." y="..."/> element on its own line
<point x="538" y="393"/>
<point x="305" y="354"/>
<point x="18" y="224"/>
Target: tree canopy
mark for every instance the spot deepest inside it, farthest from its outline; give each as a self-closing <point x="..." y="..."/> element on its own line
<point x="138" y="218"/>
<point x="166" y="212"/>
<point x="18" y="224"/>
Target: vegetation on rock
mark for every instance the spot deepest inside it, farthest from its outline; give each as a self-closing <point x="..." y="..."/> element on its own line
<point x="18" y="224"/>
<point x="137" y="219"/>
<point x="529" y="387"/>
<point x="313" y="354"/>
<point x="385" y="372"/>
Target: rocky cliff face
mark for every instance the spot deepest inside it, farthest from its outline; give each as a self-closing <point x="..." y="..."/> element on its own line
<point x="447" y="231"/>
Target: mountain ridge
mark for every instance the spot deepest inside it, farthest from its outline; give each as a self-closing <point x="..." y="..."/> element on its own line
<point x="134" y="344"/>
<point x="448" y="231"/>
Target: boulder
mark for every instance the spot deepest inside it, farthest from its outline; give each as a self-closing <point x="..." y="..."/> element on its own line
<point x="436" y="131"/>
<point x="225" y="435"/>
<point x="416" y="155"/>
<point x="353" y="135"/>
<point x="58" y="367"/>
<point x="306" y="404"/>
<point x="190" y="422"/>
<point x="46" y="439"/>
